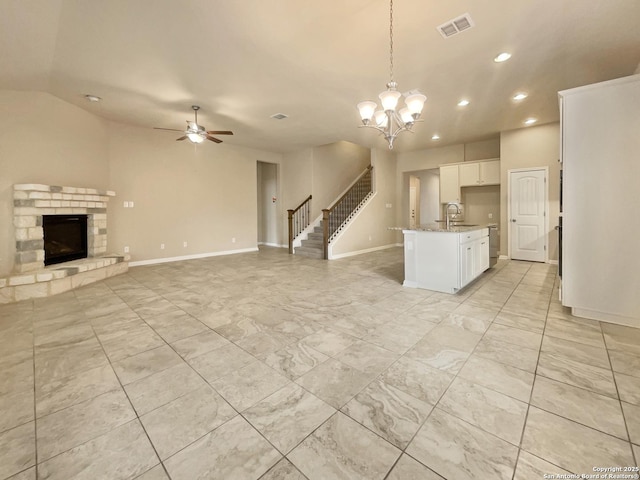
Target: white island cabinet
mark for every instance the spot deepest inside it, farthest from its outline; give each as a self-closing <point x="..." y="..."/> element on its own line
<point x="445" y="260"/>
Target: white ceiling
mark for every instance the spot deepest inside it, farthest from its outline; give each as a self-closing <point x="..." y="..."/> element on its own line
<point x="244" y="60"/>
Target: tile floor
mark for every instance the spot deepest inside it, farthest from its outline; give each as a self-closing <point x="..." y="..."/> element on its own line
<point x="271" y="366"/>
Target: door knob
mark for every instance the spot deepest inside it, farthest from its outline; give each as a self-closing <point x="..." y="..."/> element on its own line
<point x="513" y="220"/>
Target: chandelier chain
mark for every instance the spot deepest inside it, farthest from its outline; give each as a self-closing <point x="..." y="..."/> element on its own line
<point x="391" y="40"/>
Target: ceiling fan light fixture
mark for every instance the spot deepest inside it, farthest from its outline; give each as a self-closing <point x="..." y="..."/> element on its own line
<point x="195" y="137"/>
<point x="197" y="133"/>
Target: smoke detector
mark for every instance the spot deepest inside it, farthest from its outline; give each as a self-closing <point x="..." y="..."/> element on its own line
<point x="279" y="116"/>
<point x="455" y="26"/>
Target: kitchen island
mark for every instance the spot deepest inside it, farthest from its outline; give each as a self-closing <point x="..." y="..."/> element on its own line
<point x="445" y="260"/>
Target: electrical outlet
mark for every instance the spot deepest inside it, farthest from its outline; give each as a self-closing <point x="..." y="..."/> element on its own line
<point x="491" y="215"/>
<point x="184" y="244"/>
<point x="130" y="204"/>
<point x="369" y="237"/>
<point x="388" y="205"/>
<point x="126" y="204"/>
<point x="233" y="240"/>
<point x="162" y="246"/>
<point x="126" y="249"/>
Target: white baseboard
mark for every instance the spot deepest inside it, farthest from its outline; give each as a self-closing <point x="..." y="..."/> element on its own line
<point x="605" y="317"/>
<point x="155" y="261"/>
<point x="503" y="257"/>
<point x="366" y="250"/>
<point x="267" y="244"/>
<point x="553" y="262"/>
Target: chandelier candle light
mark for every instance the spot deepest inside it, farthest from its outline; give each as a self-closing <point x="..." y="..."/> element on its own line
<point x="388" y="121"/>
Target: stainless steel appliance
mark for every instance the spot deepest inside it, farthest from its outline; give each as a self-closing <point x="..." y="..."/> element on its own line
<point x="494" y="240"/>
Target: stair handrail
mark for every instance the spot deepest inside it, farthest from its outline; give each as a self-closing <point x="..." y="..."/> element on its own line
<point x="299" y="218"/>
<point x="334" y="216"/>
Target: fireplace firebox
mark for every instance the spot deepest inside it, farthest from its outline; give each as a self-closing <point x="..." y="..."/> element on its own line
<point x="65" y="238"/>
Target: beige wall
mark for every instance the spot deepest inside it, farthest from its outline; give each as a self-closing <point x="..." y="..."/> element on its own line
<point x="205" y="195"/>
<point x="482" y="150"/>
<point x="49" y="141"/>
<point x="532" y="147"/>
<point x="296" y="183"/>
<point x="369" y="230"/>
<point x="479" y="202"/>
<point x="335" y="167"/>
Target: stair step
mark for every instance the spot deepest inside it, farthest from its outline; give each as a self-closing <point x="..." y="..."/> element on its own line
<point x="311" y="243"/>
<point x="309" y="252"/>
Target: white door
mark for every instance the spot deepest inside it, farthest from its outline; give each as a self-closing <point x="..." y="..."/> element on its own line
<point x="527" y="202"/>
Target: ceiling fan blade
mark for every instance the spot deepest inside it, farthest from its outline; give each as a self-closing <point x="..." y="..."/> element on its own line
<point x="181" y="138"/>
<point x="170" y="129"/>
<point x="220" y="132"/>
<point x="214" y="139"/>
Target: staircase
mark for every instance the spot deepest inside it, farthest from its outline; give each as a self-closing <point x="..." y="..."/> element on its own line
<point x="334" y="218"/>
<point x="312" y="246"/>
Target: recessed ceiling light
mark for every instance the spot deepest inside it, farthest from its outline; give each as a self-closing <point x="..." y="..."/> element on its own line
<point x="463" y="103"/>
<point x="530" y="121"/>
<point x="92" y="98"/>
<point x="520" y="96"/>
<point x="279" y="116"/>
<point x="502" y="57"/>
<point x="435" y="137"/>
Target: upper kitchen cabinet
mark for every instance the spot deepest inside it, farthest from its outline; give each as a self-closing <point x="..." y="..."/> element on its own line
<point x="449" y="184"/>
<point x="467" y="174"/>
<point x="600" y="152"/>
<point x="475" y="174"/>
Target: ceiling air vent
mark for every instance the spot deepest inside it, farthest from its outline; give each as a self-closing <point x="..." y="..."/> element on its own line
<point x="279" y="116"/>
<point x="455" y="26"/>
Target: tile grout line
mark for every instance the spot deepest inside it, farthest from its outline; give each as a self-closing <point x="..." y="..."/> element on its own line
<point x="35" y="412"/>
<point x="535" y="375"/>
<point x="615" y="383"/>
<point x="127" y="396"/>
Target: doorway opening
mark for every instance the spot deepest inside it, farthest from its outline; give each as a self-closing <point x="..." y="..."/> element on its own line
<point x="268" y="195"/>
<point x="422" y="197"/>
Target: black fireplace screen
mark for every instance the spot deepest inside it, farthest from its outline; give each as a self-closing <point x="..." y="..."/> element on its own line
<point x="65" y="238"/>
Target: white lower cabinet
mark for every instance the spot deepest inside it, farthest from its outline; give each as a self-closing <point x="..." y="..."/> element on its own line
<point x="444" y="261"/>
<point x="467" y="263"/>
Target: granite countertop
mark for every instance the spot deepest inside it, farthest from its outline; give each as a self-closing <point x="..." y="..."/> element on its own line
<point x="434" y="227"/>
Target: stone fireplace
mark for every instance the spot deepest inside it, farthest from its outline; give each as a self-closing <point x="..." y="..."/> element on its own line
<point x="33" y="202"/>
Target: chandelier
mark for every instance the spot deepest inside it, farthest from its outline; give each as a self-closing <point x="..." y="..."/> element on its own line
<point x="387" y="120"/>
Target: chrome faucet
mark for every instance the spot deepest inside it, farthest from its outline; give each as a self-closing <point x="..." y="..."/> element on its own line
<point x="446" y="213"/>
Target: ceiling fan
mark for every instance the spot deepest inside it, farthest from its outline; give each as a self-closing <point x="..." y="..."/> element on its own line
<point x="196" y="133"/>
